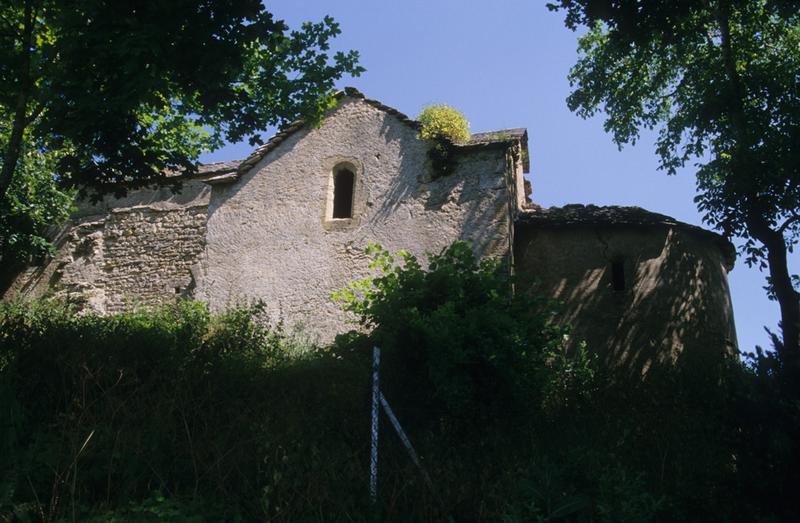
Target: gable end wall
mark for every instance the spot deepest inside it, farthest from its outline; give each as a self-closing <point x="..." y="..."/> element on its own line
<point x="269" y="239"/>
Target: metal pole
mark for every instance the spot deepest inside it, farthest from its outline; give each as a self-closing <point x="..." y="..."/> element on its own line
<point x="373" y="456"/>
<point x="413" y="455"/>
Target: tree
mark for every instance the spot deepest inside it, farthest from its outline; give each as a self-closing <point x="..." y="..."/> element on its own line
<point x="719" y="79"/>
<point x="122" y="93"/>
<point x="32" y="202"/>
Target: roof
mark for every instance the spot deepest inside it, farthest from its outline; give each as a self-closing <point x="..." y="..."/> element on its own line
<point x="218" y="167"/>
<point x="212" y="173"/>
<point x="504" y="137"/>
<point x="613" y="215"/>
<point x="225" y="172"/>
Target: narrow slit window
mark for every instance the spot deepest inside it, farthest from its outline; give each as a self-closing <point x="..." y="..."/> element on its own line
<point x="343" y="185"/>
<point x="618" y="275"/>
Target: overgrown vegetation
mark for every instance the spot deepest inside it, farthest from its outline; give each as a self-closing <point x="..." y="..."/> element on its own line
<point x="177" y="415"/>
<point x="459" y="343"/>
<point x="172" y="415"/>
<point x="443" y="126"/>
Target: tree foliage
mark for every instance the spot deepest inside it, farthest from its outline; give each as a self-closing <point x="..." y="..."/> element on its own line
<point x="719" y="80"/>
<point x="126" y="92"/>
<point x="34" y="202"/>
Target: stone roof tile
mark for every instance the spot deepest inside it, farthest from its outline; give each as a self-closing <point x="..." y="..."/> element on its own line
<point x="613" y="215"/>
<point x="218" y="167"/>
<point x="503" y="137"/>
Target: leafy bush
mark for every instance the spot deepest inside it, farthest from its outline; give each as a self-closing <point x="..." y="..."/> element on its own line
<point x="458" y="341"/>
<point x="101" y="412"/>
<point x="443" y="121"/>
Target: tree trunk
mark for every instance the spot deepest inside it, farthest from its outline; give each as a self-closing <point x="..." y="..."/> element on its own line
<point x="757" y="225"/>
<point x="788" y="298"/>
<point x="14" y="147"/>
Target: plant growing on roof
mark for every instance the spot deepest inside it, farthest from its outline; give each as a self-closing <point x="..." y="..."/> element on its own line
<point x="443" y="121"/>
<point x="443" y="126"/>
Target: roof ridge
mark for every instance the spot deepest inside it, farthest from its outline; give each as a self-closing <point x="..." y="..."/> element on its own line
<point x="515" y="134"/>
<point x="355" y="93"/>
<point x="298" y="124"/>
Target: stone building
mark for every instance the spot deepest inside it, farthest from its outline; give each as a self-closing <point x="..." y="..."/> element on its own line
<point x="289" y="224"/>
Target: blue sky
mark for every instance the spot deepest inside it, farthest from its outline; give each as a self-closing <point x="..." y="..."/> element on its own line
<point x="504" y="64"/>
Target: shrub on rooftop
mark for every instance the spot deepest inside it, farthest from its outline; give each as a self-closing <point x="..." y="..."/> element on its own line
<point x="443" y="121"/>
<point x="443" y="127"/>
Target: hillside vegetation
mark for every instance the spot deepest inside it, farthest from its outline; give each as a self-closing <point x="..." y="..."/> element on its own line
<point x="175" y="414"/>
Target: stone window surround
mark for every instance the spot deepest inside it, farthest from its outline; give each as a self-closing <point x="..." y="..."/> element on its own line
<point x="330" y="167"/>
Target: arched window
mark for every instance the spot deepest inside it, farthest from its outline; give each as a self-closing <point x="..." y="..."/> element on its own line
<point x="343" y="188"/>
<point x="345" y="194"/>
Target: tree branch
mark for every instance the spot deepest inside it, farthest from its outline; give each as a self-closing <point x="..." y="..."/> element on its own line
<point x="794" y="219"/>
<point x="35" y="114"/>
<point x="757" y="226"/>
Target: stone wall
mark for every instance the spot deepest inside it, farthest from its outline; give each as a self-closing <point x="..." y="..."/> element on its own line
<point x="675" y="301"/>
<point x="118" y="253"/>
<point x="149" y="255"/>
<point x="271" y="236"/>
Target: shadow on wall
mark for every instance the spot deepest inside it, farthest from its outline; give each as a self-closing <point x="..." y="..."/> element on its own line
<point x="672" y="300"/>
<point x="19" y="280"/>
<point x="404" y="186"/>
<point x="473" y="199"/>
<point x="470" y="203"/>
<point x="84" y="266"/>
